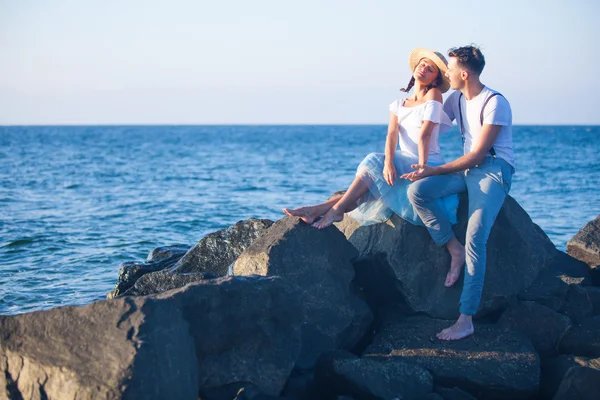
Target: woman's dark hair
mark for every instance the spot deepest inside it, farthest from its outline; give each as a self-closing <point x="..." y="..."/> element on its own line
<point x="469" y="57"/>
<point x="411" y="83"/>
<point x="438" y="81"/>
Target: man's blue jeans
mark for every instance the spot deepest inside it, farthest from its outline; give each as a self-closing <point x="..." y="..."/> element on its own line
<point x="487" y="186"/>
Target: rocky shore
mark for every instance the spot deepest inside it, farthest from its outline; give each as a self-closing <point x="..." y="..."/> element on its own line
<point x="267" y="310"/>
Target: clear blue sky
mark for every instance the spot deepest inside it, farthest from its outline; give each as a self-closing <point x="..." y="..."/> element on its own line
<point x="278" y="61"/>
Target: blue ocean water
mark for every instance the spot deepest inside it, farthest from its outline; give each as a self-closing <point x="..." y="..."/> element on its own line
<point x="75" y="202"/>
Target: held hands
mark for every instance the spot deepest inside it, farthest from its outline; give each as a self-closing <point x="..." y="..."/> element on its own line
<point x="389" y="173"/>
<point x="421" y="171"/>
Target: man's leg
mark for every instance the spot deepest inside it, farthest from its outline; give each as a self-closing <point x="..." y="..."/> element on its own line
<point x="487" y="186"/>
<point x="423" y="195"/>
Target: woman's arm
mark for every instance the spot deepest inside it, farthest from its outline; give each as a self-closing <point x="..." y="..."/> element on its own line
<point x="427" y="127"/>
<point x="424" y="139"/>
<point x="391" y="143"/>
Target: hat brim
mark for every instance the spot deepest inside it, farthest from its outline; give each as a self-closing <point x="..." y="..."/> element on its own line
<point x="417" y="54"/>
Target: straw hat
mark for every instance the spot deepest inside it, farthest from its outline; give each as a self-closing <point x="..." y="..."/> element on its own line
<point x="417" y="54"/>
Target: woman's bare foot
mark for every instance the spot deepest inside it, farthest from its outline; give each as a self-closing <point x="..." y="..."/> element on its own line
<point x="306" y="214"/>
<point x="461" y="329"/>
<point x="457" y="252"/>
<point x="329" y="218"/>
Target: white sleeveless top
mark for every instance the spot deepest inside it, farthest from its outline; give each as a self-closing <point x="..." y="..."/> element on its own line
<point x="410" y="120"/>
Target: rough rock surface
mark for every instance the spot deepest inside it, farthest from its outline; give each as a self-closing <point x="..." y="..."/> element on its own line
<point x="579" y="383"/>
<point x="216" y="251"/>
<point x="582" y="339"/>
<point x="594" y="297"/>
<point x="542" y="326"/>
<point x="158" y="259"/>
<point x="342" y="373"/>
<point x="162" y="281"/>
<point x="319" y="262"/>
<point x="413" y="266"/>
<point x="585" y="245"/>
<point x="553" y="286"/>
<point x="212" y="257"/>
<point x="244" y="329"/>
<point x="453" y="393"/>
<point x="204" y="336"/>
<point x="492" y="364"/>
<point x="577" y="305"/>
<point x="110" y="349"/>
<point x="554" y="370"/>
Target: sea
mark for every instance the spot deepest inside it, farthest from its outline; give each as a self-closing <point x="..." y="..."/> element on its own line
<point x="77" y="201"/>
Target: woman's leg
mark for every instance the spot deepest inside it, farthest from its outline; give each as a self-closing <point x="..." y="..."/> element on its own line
<point x="347" y="203"/>
<point x="311" y="213"/>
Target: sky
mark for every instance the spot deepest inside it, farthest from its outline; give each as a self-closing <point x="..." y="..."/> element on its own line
<point x="283" y="62"/>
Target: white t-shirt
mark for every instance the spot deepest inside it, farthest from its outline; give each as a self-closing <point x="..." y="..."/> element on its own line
<point x="410" y="120"/>
<point x="497" y="112"/>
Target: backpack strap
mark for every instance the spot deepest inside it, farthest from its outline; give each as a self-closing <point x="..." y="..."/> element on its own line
<point x="462" y="126"/>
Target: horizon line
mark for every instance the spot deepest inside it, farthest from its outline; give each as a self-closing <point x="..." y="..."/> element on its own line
<point x="251" y="124"/>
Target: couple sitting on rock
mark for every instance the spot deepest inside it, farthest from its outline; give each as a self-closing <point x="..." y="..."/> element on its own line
<point x="417" y="184"/>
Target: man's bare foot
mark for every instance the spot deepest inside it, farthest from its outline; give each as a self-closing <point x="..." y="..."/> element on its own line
<point x="329" y="218"/>
<point x="461" y="329"/>
<point x="306" y="214"/>
<point x="457" y="252"/>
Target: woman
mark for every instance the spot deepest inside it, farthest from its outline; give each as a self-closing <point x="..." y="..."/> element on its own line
<point x="415" y="123"/>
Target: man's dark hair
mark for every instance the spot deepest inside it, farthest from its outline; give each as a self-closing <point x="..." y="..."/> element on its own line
<point x="469" y="57"/>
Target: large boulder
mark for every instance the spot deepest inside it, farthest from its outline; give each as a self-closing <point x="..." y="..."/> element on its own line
<point x="582" y="339"/>
<point x="319" y="261"/>
<point x="162" y="281"/>
<point x="585" y="245"/>
<point x="244" y="329"/>
<point x="207" y="335"/>
<point x="172" y="267"/>
<point x="158" y="259"/>
<point x="579" y="383"/>
<point x="594" y="297"/>
<point x="542" y="326"/>
<point x="492" y="364"/>
<point x="410" y="264"/>
<point x="554" y="369"/>
<point x="558" y="286"/>
<point x="119" y="349"/>
<point x="215" y="252"/>
<point x="342" y="373"/>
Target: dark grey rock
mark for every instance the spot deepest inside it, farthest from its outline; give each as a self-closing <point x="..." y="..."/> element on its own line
<point x="579" y="383"/>
<point x="300" y="385"/>
<point x="491" y="364"/>
<point x="244" y="329"/>
<point x="162" y="281"/>
<point x="585" y="245"/>
<point x="319" y="261"/>
<point x="542" y="326"/>
<point x="554" y="369"/>
<point x="342" y="373"/>
<point x="116" y="349"/>
<point x="577" y="305"/>
<point x="552" y="285"/>
<point x="210" y="258"/>
<point x="415" y="268"/>
<point x="453" y="393"/>
<point x="217" y="251"/>
<point x="594" y="297"/>
<point x="582" y="339"/>
<point x="158" y="259"/>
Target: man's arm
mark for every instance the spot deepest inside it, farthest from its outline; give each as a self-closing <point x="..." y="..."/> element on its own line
<point x="489" y="133"/>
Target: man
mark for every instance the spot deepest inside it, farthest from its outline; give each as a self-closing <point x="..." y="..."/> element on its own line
<point x="485" y="171"/>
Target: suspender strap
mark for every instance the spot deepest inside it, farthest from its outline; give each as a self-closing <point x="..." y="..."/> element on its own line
<point x="462" y="126"/>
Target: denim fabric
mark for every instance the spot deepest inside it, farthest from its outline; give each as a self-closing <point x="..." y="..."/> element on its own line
<point x="487" y="186"/>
